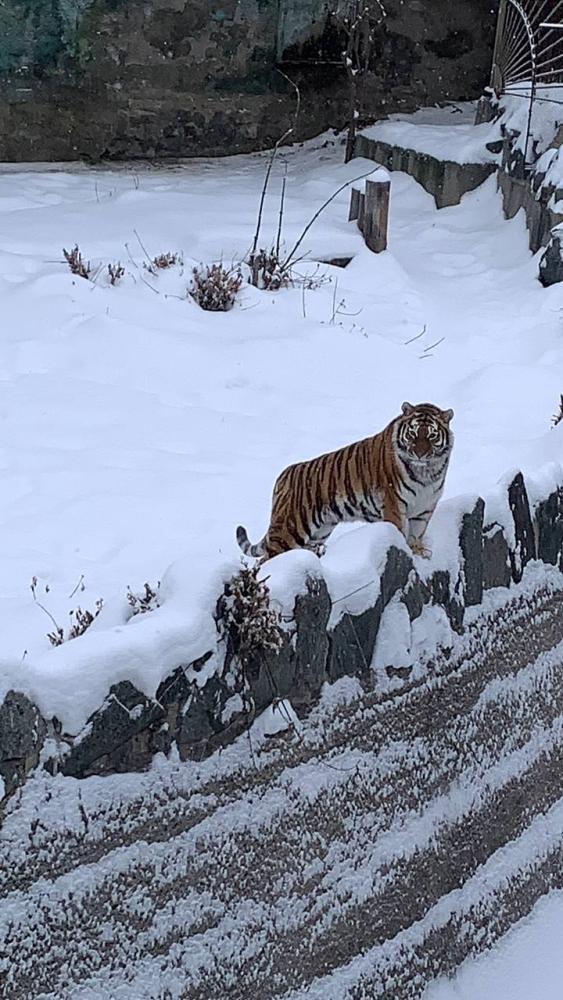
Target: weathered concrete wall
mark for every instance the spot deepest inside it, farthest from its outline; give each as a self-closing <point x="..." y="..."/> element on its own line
<point x="116" y="78"/>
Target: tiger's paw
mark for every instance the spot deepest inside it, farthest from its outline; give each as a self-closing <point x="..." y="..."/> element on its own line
<point x="419" y="549"/>
<point x="319" y="549"/>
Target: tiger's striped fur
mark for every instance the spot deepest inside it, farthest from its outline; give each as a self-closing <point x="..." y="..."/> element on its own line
<point x="397" y="475"/>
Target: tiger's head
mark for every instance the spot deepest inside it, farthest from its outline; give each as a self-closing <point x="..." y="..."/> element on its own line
<point x="423" y="431"/>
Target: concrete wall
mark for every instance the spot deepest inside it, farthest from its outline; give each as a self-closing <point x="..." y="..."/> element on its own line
<point x="117" y="78"/>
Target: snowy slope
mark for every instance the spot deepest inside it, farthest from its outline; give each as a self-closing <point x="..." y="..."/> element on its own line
<point x="136" y="430"/>
<point x="360" y="855"/>
<point x="527" y="964"/>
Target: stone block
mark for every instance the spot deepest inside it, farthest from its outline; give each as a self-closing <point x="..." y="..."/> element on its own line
<point x="551" y="263"/>
<point x="116" y="736"/>
<point x="22" y="734"/>
<point x="549" y="521"/>
<point x="523" y="527"/>
<point x="497" y="571"/>
<point x="352" y="643"/>
<point x="312" y="612"/>
<point x="471" y="544"/>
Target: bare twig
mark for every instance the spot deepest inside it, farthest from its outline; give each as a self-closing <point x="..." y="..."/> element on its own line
<point x="271" y="162"/>
<point x="325" y="204"/>
<point x="280" y="221"/>
<point x="79" y="586"/>
<point x="418" y="336"/>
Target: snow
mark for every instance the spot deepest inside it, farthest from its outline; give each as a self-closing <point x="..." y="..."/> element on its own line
<point x="446" y="133"/>
<point x="527" y="963"/>
<point x="138" y="430"/>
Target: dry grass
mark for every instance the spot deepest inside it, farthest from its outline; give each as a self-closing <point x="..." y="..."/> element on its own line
<point x="215" y="287"/>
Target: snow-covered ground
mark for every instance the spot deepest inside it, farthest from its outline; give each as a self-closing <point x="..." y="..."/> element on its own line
<point x="527" y="964"/>
<point x="137" y="430"/>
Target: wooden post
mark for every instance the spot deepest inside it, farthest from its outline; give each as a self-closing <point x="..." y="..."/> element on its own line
<point x="376" y="215"/>
<point x="361" y="211"/>
<point x="354" y="205"/>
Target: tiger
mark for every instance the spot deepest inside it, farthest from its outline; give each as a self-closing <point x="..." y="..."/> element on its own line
<point x="397" y="476"/>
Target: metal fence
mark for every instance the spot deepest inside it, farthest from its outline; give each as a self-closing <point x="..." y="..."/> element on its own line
<point x="528" y="54"/>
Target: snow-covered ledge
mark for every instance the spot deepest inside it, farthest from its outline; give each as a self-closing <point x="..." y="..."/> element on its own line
<point x="113" y="698"/>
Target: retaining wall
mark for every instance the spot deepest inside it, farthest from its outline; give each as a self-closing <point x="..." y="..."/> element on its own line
<point x="119" y="79"/>
<point x="130" y="727"/>
<point x="445" y="180"/>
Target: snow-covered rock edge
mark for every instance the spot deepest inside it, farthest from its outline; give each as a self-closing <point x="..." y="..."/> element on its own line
<point x="122" y="693"/>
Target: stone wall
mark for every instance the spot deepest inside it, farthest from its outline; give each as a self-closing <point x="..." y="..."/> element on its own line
<point x="115" y="78"/>
<point x="445" y="180"/>
<point x="130" y="727"/>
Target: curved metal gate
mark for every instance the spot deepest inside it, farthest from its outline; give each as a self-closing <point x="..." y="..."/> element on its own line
<point x="528" y="55"/>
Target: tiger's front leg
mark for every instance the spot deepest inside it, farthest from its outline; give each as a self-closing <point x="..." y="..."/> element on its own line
<point x="416" y="531"/>
<point x="394" y="515"/>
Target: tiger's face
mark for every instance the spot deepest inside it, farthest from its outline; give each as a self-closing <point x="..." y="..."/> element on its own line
<point x="424" y="432"/>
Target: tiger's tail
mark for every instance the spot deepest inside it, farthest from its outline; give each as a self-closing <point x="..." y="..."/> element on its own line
<point x="246" y="545"/>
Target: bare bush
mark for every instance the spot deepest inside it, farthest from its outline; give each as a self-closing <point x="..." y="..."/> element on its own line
<point x="163" y="261"/>
<point x="77" y="264"/>
<point x="116" y="273"/>
<point x="82" y="619"/>
<point x="215" y="287"/>
<point x="245" y="618"/>
<point x="144" y="602"/>
<point x="268" y="271"/>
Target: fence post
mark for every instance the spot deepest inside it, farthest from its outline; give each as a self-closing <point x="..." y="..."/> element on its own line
<point x="376" y="215"/>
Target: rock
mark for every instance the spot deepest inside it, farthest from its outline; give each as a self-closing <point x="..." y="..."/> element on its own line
<point x="471" y="543"/>
<point x="551" y="263"/>
<point x="497" y="570"/>
<point x="312" y="612"/>
<point x="549" y="520"/>
<point x="352" y="643"/>
<point x="523" y="527"/>
<point x="117" y="737"/>
<point x="395" y="576"/>
<point x="199" y="727"/>
<point x="416" y="595"/>
<point x="441" y="591"/>
<point x="353" y="639"/>
<point x="270" y="674"/>
<point x="22" y="734"/>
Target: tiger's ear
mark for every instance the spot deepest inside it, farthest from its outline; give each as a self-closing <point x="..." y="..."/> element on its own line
<point x="447" y="414"/>
<point x="407" y="408"/>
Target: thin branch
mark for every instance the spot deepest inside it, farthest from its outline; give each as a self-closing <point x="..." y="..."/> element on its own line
<point x="280" y="221"/>
<point x="322" y="208"/>
<point x="273" y="155"/>
<point x="142" y="246"/>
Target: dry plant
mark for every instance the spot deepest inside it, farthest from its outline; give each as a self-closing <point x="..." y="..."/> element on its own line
<point x="274" y="269"/>
<point x="245" y="618"/>
<point x="215" y="287"/>
<point x="80" y="619"/>
<point x="142" y="603"/>
<point x="115" y="272"/>
<point x="558" y="417"/>
<point x="163" y="261"/>
<point x="77" y="264"/>
<point x="267" y="271"/>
